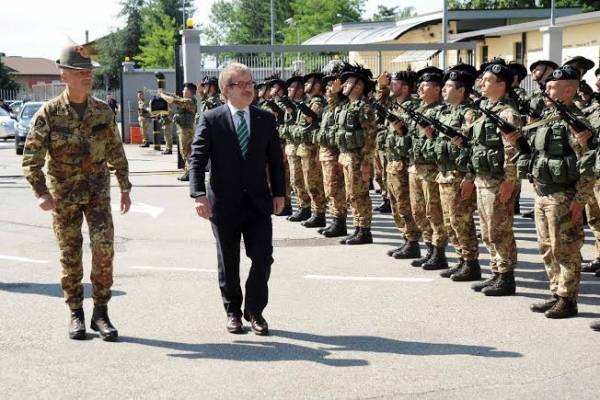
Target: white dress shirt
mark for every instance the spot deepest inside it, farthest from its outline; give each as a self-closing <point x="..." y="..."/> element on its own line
<point x="236" y="118"/>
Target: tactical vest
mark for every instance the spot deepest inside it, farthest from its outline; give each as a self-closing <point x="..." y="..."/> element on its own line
<point x="487" y="155"/>
<point x="286" y="130"/>
<point x="325" y="136"/>
<point x="185" y="119"/>
<point x="397" y="147"/>
<point x="448" y="156"/>
<point x="350" y="135"/>
<point x="423" y="148"/>
<point x="305" y="132"/>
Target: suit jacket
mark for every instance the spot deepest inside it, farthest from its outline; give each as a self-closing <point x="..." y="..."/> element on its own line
<point x="233" y="177"/>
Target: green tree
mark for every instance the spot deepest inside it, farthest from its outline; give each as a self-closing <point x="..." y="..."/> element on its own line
<point x="157" y="48"/>
<point x="111" y="53"/>
<point x="132" y="11"/>
<point x="6" y="80"/>
<point x="385" y="13"/>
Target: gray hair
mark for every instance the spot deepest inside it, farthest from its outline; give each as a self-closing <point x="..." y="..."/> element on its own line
<point x="226" y="75"/>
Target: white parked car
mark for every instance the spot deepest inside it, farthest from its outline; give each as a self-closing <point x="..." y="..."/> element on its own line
<point x="7" y="125"/>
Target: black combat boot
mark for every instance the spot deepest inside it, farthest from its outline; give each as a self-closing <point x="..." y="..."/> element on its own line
<point x="287" y="211"/>
<point x="591" y="266"/>
<point x="447" y="273"/>
<point x="338" y="228"/>
<point x="384" y="208"/>
<point x="167" y="152"/>
<point x="471" y="271"/>
<point x="325" y="228"/>
<point x="77" y="325"/>
<point x="529" y="214"/>
<point x="146" y="144"/>
<point x="315" y="221"/>
<point x="437" y="260"/>
<point x="185" y="177"/>
<point x="420" y="261"/>
<point x="503" y="286"/>
<point x="391" y="252"/>
<point x="101" y="324"/>
<point x="345" y="239"/>
<point x="410" y="250"/>
<point x="362" y="237"/>
<point x="595" y="325"/>
<point x="479" y="286"/>
<point x="543" y="306"/>
<point x="301" y="215"/>
<point x="564" y="308"/>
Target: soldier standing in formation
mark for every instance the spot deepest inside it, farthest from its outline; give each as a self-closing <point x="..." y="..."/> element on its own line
<point x="144" y="119"/>
<point x="77" y="135"/>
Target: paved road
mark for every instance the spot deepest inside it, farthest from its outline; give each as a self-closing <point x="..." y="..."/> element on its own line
<point x="347" y="322"/>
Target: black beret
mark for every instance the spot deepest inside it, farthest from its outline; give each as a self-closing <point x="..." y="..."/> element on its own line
<point x="431" y="74"/>
<point x="518" y="69"/>
<point x="460" y="76"/>
<point x="565" y="73"/>
<point x="580" y="63"/>
<point x="465" y="68"/>
<point x="495" y="60"/>
<point x="272" y="82"/>
<point x="501" y="71"/>
<point x="190" y="86"/>
<point x="404" y="76"/>
<point x="547" y="63"/>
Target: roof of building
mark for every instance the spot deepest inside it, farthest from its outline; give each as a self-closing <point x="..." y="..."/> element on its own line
<point x="31" y="65"/>
<point x="584" y="18"/>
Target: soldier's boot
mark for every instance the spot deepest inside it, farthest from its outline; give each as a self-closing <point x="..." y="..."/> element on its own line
<point x="545" y="305"/>
<point x="345" y="239"/>
<point x="338" y="228"/>
<point x="420" y="261"/>
<point x="362" y="237"/>
<point x="591" y="266"/>
<point x="287" y="210"/>
<point x="503" y="286"/>
<point x="167" y="152"/>
<point x="391" y="252"/>
<point x="101" y="324"/>
<point x="471" y="271"/>
<point x="528" y="214"/>
<point x="437" y="260"/>
<point x="564" y="308"/>
<point x="145" y="144"/>
<point x="325" y="228"/>
<point x="595" y="325"/>
<point x="410" y="250"/>
<point x="447" y="273"/>
<point x="317" y="220"/>
<point x="301" y="215"/>
<point x="479" y="286"/>
<point x="185" y="177"/>
<point x="77" y="325"/>
<point x="384" y="208"/>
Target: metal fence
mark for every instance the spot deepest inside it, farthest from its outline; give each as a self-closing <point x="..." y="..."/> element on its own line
<point x="47" y="92"/>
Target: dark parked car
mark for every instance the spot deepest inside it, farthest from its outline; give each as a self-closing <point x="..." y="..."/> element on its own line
<point x="23" y="121"/>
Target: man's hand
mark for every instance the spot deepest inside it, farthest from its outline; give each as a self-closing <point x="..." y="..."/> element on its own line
<point x="365" y="170"/>
<point x="512" y="138"/>
<point x="336" y="86"/>
<point x="576" y="210"/>
<point x="466" y="189"/>
<point x="582" y="137"/>
<point x="125" y="202"/>
<point x="428" y="132"/>
<point x="458" y="141"/>
<point x="46" y="202"/>
<point x="202" y="207"/>
<point x="398" y="127"/>
<point x="506" y="191"/>
<point x="383" y="79"/>
<point x="278" y="204"/>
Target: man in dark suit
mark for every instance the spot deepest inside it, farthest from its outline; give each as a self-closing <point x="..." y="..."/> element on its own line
<point x="242" y="144"/>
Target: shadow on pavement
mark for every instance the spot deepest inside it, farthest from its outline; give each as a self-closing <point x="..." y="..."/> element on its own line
<point x="47" y="289"/>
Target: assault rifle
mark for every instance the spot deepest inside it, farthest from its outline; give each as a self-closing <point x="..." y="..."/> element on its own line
<point x="571" y="119"/>
<point x="506" y="128"/>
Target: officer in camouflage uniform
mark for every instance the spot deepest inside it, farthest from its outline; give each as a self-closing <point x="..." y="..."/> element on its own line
<point x="77" y="134"/>
<point x="398" y="145"/>
<point x="496" y="180"/>
<point x="561" y="193"/>
<point x="333" y="175"/>
<point x="383" y="98"/>
<point x="356" y="140"/>
<point x="585" y="92"/>
<point x="295" y="87"/>
<point x="424" y="190"/>
<point x="309" y="116"/>
<point x="452" y="157"/>
<point x="212" y="95"/>
<point x="144" y="119"/>
<point x="540" y="70"/>
<point x="184" y="119"/>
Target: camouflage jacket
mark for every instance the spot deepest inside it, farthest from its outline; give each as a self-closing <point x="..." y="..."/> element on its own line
<point x="143" y="111"/>
<point x="79" y="151"/>
<point x="356" y="132"/>
<point x="211" y="102"/>
<point x="423" y="148"/>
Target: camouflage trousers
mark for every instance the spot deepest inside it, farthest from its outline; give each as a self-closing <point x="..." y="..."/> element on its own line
<point x="496" y="225"/>
<point x="357" y="193"/>
<point x="288" y="186"/>
<point x="426" y="206"/>
<point x="313" y="179"/>
<point x="297" y="181"/>
<point x="67" y="223"/>
<point x="146" y="128"/>
<point x="592" y="211"/>
<point x="399" y="195"/>
<point x="333" y="182"/>
<point x="167" y="128"/>
<point x="461" y="225"/>
<point x="560" y="242"/>
<point x="380" y="164"/>
<point x="185" y="136"/>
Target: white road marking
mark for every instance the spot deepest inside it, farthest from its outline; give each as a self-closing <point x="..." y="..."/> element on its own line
<point x="142" y="208"/>
<point x="212" y="271"/>
<point x="366" y="278"/>
<point x="23" y="259"/>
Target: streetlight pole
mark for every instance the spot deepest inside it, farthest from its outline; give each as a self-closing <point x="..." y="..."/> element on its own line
<point x="445" y="34"/>
<point x="272" y="36"/>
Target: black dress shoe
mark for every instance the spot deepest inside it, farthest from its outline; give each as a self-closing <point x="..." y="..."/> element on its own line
<point x="234" y="324"/>
<point x="101" y="324"/>
<point x="77" y="325"/>
<point x="258" y="324"/>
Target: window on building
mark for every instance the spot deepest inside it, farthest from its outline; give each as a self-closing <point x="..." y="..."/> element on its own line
<point x="484" y="54"/>
<point x="519" y="56"/>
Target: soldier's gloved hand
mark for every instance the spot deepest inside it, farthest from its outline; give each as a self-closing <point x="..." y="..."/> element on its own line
<point x="46" y="202"/>
<point x="125" y="202"/>
<point x="576" y="210"/>
<point x="202" y="207"/>
<point x="466" y="189"/>
<point x="506" y="191"/>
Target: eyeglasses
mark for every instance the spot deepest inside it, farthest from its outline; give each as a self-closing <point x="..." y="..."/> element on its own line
<point x="243" y="85"/>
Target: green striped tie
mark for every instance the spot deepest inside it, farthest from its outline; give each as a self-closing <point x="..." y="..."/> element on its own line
<point x="242" y="133"/>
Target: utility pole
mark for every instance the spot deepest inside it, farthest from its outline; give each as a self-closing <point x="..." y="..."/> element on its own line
<point x="272" y="36"/>
<point x="445" y="34"/>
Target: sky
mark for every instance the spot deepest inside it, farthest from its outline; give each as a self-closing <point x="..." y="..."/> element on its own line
<point x="40" y="28"/>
